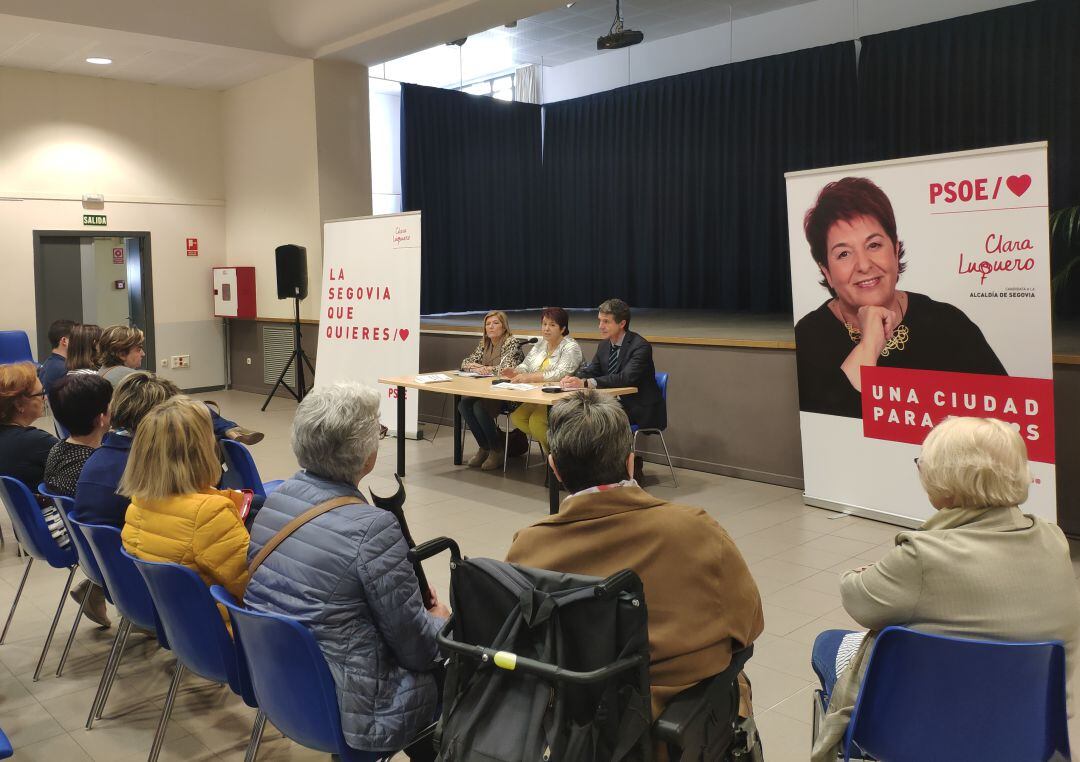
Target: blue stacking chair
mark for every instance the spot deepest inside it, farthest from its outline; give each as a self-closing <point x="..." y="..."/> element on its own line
<point x="5" y="746"/>
<point x="34" y="536"/>
<point x="130" y="596"/>
<point x="932" y="697"/>
<point x="662" y="382"/>
<point x="87" y="565"/>
<point x="15" y="347"/>
<point x="242" y="472"/>
<point x="196" y="633"/>
<point x="292" y="683"/>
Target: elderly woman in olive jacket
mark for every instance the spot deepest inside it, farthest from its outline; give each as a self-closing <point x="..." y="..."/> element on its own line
<point x="345" y="575"/>
<point x="978" y="568"/>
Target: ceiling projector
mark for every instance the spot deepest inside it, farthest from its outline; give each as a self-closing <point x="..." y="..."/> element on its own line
<point x="621" y="39"/>
<point x="618" y="36"/>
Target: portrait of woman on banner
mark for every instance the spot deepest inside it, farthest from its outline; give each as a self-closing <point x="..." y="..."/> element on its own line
<point x="868" y="320"/>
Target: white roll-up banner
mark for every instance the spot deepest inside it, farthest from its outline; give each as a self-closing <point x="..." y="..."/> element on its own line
<point x="921" y="290"/>
<point x="369" y="324"/>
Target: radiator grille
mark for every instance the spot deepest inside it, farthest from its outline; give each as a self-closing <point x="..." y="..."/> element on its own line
<point x="277" y="349"/>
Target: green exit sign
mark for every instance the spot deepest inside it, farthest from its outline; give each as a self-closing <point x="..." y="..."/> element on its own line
<point x="94" y="219"/>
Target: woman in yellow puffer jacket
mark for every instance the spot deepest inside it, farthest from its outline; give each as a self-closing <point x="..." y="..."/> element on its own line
<point x="176" y="514"/>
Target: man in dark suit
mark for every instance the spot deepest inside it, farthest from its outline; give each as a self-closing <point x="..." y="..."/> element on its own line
<point x="624" y="358"/>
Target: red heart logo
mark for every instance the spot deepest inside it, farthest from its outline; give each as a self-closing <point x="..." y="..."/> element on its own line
<point x="1018" y="184"/>
<point x="403" y="333"/>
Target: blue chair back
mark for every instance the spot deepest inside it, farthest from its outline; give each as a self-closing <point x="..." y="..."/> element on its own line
<point x="192" y="623"/>
<point x="242" y="473"/>
<point x="661" y="381"/>
<point x="933" y="697"/>
<point x="30" y="527"/>
<point x="15" y="347"/>
<point x="123" y="581"/>
<point x="87" y="562"/>
<point x="292" y="683"/>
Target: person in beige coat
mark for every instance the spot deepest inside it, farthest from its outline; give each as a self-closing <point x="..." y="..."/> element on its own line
<point x="978" y="568"/>
<point x="703" y="604"/>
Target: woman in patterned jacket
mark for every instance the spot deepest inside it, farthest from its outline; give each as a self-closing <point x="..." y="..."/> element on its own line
<point x="497" y="351"/>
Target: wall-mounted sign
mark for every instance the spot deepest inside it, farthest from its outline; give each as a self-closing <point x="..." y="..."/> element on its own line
<point x="118" y="255"/>
<point x="119" y="285"/>
<point x="94" y="219"/>
<point x="193" y="247"/>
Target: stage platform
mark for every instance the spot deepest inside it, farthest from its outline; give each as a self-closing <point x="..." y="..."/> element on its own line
<point x="698" y="328"/>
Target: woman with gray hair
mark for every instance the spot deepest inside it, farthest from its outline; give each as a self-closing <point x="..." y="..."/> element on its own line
<point x="978" y="568"/>
<point x="346" y="576"/>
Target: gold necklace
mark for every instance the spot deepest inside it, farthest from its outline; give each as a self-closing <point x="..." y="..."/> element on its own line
<point x="897" y="341"/>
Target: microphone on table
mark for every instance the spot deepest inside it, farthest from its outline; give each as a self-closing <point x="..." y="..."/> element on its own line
<point x="533" y="340"/>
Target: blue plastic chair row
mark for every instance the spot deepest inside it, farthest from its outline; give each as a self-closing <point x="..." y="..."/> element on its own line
<point x="34" y="536"/>
<point x="931" y="697"/>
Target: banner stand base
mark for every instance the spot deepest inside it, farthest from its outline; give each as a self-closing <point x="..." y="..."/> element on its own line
<point x="865" y="513"/>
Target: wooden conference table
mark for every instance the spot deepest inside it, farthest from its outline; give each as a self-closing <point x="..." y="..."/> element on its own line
<point x="462" y="386"/>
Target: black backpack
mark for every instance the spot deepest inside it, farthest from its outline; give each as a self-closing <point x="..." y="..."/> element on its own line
<point x="544" y="667"/>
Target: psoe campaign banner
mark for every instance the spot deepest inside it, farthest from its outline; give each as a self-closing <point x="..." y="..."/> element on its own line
<point x="369" y="324"/>
<point x="921" y="290"/>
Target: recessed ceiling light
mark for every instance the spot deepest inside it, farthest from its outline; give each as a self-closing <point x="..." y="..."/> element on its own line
<point x="99" y="61"/>
<point x="571" y="5"/>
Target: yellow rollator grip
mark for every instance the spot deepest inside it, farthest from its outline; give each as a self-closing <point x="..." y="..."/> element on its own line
<point x="505" y="660"/>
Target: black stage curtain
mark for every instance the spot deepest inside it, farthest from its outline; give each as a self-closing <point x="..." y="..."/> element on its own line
<point x="671" y="193"/>
<point x="472" y="164"/>
<point x="1005" y="76"/>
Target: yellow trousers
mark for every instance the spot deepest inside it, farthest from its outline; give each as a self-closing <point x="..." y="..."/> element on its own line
<point x="533" y="420"/>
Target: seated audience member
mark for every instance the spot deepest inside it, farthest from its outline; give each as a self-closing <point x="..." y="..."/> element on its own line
<point x="624" y="358"/>
<point x="24" y="448"/>
<point x="80" y="402"/>
<point x="55" y="365"/>
<point x="497" y="351"/>
<point x="176" y="515"/>
<point x="979" y="568"/>
<point x="121" y="351"/>
<point x="83" y="355"/>
<point x="703" y="603"/>
<point x="96" y="498"/>
<point x="555" y="356"/>
<point x="346" y="576"/>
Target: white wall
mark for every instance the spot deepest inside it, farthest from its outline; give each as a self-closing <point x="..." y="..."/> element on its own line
<point x="821" y="22"/>
<point x="385" y="96"/>
<point x="155" y="153"/>
<point x="272" y="180"/>
<point x="296" y="154"/>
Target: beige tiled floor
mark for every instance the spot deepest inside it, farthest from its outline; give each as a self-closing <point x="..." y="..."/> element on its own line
<point x="794" y="551"/>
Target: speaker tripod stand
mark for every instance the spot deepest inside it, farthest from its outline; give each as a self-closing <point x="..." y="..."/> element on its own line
<point x="300" y="358"/>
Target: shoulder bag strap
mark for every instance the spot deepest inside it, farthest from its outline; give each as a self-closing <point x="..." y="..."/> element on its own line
<point x="295" y="524"/>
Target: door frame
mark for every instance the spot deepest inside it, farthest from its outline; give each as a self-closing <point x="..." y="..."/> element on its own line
<point x="145" y="279"/>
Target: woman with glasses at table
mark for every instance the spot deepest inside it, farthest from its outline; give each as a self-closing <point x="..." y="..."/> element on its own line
<point x="497" y="351"/>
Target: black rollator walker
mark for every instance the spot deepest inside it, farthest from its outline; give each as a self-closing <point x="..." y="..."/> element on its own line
<point x="554" y="667"/>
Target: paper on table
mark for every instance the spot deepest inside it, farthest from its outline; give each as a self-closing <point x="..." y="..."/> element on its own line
<point x="470" y="374"/>
<point x="431" y="378"/>
<point x="515" y="387"/>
